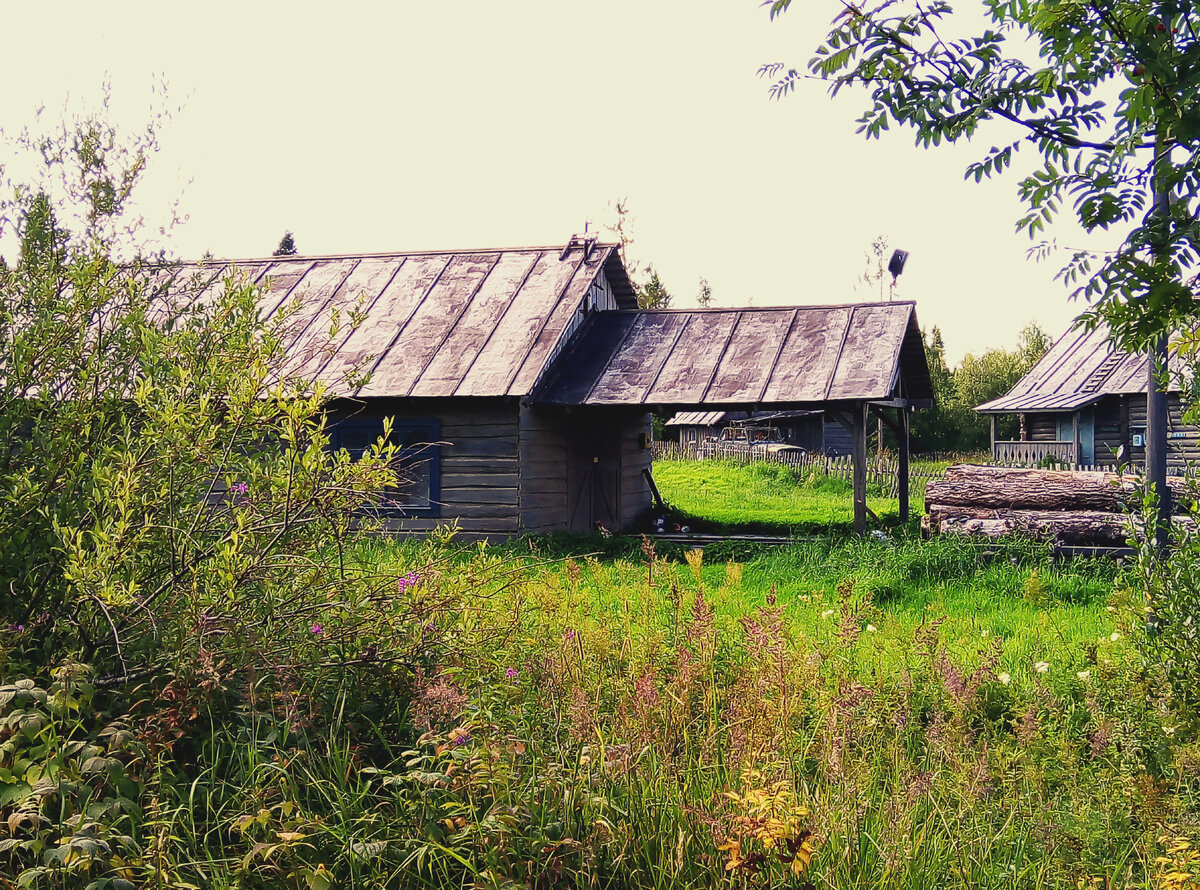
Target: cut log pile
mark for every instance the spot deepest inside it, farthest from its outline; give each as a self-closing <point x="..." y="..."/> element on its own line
<point x="1086" y="509"/>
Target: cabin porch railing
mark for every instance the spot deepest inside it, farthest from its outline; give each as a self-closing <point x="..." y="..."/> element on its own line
<point x="1032" y="453"/>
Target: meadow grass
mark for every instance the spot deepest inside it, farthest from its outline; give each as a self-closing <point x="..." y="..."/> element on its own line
<point x="616" y="712"/>
<point x="721" y="495"/>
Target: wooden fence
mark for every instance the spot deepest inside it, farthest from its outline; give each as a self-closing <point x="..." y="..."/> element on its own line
<point x="883" y="471"/>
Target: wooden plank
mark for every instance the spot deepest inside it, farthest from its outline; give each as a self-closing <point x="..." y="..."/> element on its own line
<point x="687" y="371"/>
<point x="860" y="468"/>
<point x="501" y="446"/>
<point x="552" y="332"/>
<point x="279" y="280"/>
<point x="456" y="431"/>
<point x="502" y="525"/>
<point x="585" y="367"/>
<point x="806" y="361"/>
<point x="310" y="294"/>
<point x="902" y="476"/>
<point x="545" y="500"/>
<point x="314" y="345"/>
<point x="868" y="360"/>
<point x="389" y="315"/>
<point x="745" y="369"/>
<point x="481" y="511"/>
<point x="465" y="342"/>
<point x="1085" y="352"/>
<point x="452" y="479"/>
<point x="469" y="498"/>
<point x="400" y="366"/>
<point x="628" y="377"/>
<point x="518" y="328"/>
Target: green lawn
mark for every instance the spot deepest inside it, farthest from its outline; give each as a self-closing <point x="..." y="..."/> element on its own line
<point x="714" y="495"/>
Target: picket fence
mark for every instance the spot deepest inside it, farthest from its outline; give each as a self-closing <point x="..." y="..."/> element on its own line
<point x="882" y="470"/>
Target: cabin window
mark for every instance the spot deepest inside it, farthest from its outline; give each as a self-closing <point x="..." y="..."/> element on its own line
<point x="418" y="462"/>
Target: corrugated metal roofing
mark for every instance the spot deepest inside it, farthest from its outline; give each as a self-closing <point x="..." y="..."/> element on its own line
<point x="458" y="323"/>
<point x="697" y="418"/>
<point x="1082" y="367"/>
<point x="794" y="355"/>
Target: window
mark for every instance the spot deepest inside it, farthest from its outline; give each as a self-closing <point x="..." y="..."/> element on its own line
<point x="418" y="462"/>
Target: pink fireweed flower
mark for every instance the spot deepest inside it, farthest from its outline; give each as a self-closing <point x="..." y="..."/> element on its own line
<point x="317" y="630"/>
<point x="511" y="673"/>
<point x="239" y="488"/>
<point x="407" y="582"/>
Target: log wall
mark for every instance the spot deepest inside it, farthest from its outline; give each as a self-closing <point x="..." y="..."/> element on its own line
<point x="542" y="451"/>
<point x="479" y="463"/>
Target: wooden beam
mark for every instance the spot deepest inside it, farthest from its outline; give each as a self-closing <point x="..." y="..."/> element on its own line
<point x="860" y="468"/>
<point x="902" y="464"/>
<point x="1075" y="437"/>
<point x="658" y="501"/>
<point x="992" y="424"/>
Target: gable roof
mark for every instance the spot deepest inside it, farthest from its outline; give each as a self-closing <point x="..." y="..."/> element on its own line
<point x="794" y="356"/>
<point x="1082" y="367"/>
<point x="441" y="323"/>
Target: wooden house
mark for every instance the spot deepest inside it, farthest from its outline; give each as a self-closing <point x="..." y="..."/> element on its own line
<point x="810" y="430"/>
<point x="1083" y="403"/>
<point x="521" y="381"/>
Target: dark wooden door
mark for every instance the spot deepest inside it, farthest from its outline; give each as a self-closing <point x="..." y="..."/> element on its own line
<point x="593" y="473"/>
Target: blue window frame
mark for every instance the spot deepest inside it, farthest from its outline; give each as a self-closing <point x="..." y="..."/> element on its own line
<point x="418" y="462"/>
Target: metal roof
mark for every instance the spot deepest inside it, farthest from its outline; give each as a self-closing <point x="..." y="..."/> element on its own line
<point x="1082" y="367"/>
<point x="446" y="323"/>
<point x="804" y="355"/>
<point x="712" y="418"/>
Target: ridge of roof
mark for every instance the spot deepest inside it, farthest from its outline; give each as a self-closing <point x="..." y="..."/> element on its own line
<point x="380" y="254"/>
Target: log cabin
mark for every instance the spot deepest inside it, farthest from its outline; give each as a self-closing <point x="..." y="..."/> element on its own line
<point x="520" y="382"/>
<point x="1084" y="404"/>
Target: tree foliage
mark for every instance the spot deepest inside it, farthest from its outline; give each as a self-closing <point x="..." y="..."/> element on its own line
<point x="287" y="246"/>
<point x="166" y="489"/>
<point x="953" y="424"/>
<point x="1110" y="107"/>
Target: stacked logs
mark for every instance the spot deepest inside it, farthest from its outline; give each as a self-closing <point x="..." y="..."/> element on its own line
<point x="1085" y="509"/>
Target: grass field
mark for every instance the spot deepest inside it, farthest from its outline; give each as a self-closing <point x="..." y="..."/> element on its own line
<point x="616" y="712"/>
<point x="765" y="497"/>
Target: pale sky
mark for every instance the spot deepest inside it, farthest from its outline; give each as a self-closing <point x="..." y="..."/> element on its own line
<point x="411" y="125"/>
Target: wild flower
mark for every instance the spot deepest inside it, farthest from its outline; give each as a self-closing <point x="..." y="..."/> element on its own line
<point x="511" y="673"/>
<point x="568" y="635"/>
<point x="827" y="613"/>
<point x="1084" y="675"/>
<point x="1041" y="667"/>
<point x="1115" y="636"/>
<point x="407" y="582"/>
<point x="460" y="736"/>
<point x="239" y="488"/>
<point x="1004" y="679"/>
<point x="317" y="630"/>
<point x="437" y="701"/>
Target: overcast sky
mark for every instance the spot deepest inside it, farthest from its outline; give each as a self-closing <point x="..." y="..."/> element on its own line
<point x="409" y="125"/>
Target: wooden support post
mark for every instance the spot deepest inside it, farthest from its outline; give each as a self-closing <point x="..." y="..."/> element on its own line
<point x="902" y="468"/>
<point x="1075" y="439"/>
<point x="860" y="468"/>
<point x="992" y="424"/>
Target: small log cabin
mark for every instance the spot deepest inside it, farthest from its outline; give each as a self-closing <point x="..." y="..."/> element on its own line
<point x="521" y="381"/>
<point x="1083" y="403"/>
